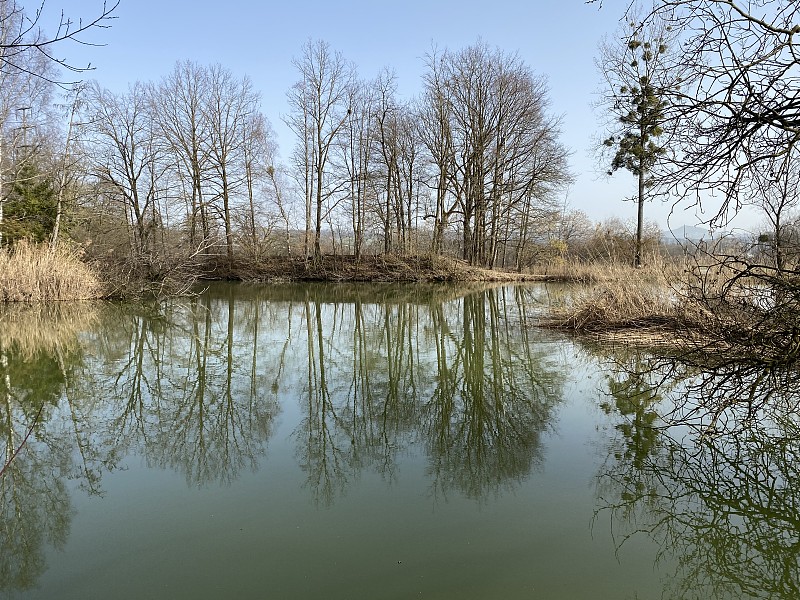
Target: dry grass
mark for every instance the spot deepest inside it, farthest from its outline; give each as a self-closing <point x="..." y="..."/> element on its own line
<point x="623" y="299"/>
<point x="618" y="304"/>
<point x="31" y="273"/>
<point x="655" y="271"/>
<point x="724" y="307"/>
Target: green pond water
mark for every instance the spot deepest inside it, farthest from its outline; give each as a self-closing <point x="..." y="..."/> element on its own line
<point x="377" y="442"/>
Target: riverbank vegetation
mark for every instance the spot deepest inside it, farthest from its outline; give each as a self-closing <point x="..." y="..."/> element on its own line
<point x="721" y="306"/>
<point x="33" y="273"/>
<point x="725" y="131"/>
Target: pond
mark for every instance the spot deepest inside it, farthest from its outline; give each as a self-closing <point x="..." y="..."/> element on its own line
<point x="376" y="441"/>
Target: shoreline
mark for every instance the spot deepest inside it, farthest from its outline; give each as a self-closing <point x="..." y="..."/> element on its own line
<point x="367" y="269"/>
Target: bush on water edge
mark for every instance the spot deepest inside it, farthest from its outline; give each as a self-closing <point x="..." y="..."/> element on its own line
<point x="32" y="273"/>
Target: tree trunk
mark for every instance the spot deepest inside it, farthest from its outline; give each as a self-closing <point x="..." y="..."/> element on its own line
<point x="387" y="226"/>
<point x="226" y="208"/>
<point x="63" y="183"/>
<point x="251" y="198"/>
<point x="637" y="261"/>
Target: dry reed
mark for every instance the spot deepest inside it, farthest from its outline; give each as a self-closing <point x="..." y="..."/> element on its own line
<point x="32" y="273"/>
<point x="581" y="271"/>
<point x="622" y="297"/>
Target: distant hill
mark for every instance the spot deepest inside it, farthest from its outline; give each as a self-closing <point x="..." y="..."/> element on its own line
<point x="685" y="233"/>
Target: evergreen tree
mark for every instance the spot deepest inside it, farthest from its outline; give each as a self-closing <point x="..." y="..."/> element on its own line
<point x="30" y="208"/>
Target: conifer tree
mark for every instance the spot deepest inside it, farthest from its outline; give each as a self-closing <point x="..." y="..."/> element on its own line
<point x="30" y="207"/>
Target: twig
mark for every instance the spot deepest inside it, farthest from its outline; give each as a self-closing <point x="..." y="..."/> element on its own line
<point x="24" y="440"/>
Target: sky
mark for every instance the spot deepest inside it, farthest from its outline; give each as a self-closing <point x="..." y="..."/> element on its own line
<point x="557" y="39"/>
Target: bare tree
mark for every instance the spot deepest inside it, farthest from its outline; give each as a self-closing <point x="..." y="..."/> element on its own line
<point x="65" y="167"/>
<point x="23" y="38"/>
<point x="230" y="105"/>
<point x="125" y="156"/>
<point x="775" y="191"/>
<point x="739" y="108"/>
<point x="178" y="110"/>
<point x="304" y="154"/>
<point x="435" y="131"/>
<point x="398" y="166"/>
<point x="258" y="154"/>
<point x="320" y="109"/>
<point x="409" y="177"/>
<point x="277" y="179"/>
<point x="358" y="146"/>
<point x="489" y="113"/>
<point x="387" y="132"/>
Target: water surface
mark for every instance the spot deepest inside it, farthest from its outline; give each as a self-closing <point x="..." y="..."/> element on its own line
<point x="324" y="441"/>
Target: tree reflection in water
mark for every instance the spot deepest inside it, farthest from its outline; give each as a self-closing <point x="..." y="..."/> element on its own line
<point x="194" y="385"/>
<point x="35" y="507"/>
<point x="704" y="459"/>
<point x="714" y="482"/>
<point x="461" y="377"/>
<point x="493" y="397"/>
<point x="189" y="396"/>
<point x="164" y="382"/>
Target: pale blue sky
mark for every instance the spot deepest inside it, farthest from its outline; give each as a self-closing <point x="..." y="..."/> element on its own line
<point x="557" y="39"/>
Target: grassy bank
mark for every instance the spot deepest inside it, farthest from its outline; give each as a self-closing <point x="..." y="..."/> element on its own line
<point x="30" y="273"/>
<point x="380" y="268"/>
<point x="728" y="310"/>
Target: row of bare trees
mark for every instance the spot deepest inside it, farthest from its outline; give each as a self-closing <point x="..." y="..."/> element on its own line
<point x="470" y="161"/>
<point x="182" y="159"/>
<point x="186" y="167"/>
